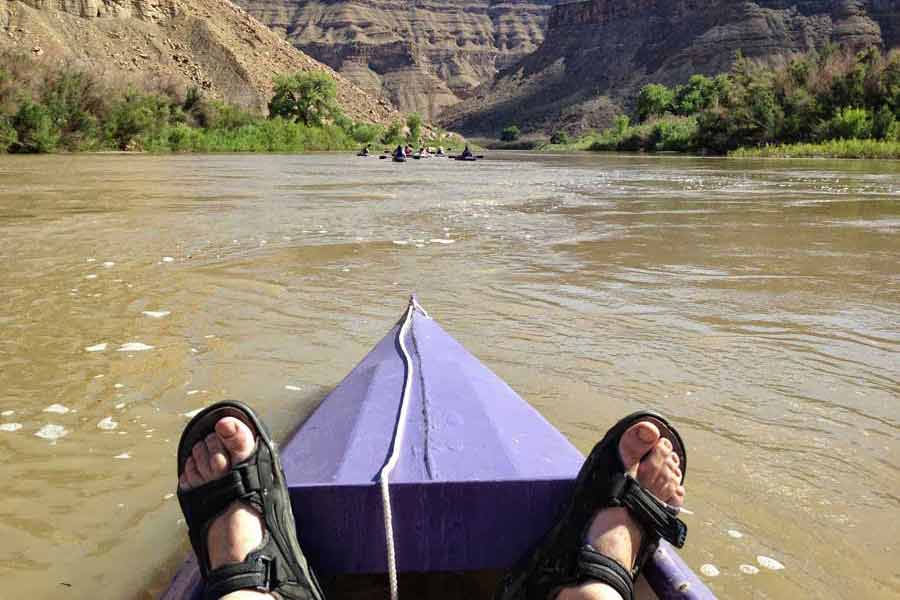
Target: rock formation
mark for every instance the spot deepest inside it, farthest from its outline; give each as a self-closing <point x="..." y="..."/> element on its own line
<point x="610" y="48"/>
<point x="423" y="55"/>
<point x="211" y="44"/>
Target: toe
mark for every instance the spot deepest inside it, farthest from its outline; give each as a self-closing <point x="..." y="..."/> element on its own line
<point x="236" y="438"/>
<point x="191" y="476"/>
<point x="218" y="457"/>
<point x="636" y="442"/>
<point x="201" y="459"/>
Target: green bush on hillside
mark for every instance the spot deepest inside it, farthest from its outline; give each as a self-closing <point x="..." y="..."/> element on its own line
<point x="821" y="96"/>
<point x="35" y="131"/>
<point x="309" y="98"/>
<point x="510" y="133"/>
<point x="46" y="107"/>
<point x="849" y="123"/>
<point x="8" y="135"/>
<point x="414" y="125"/>
<point x="559" y="137"/>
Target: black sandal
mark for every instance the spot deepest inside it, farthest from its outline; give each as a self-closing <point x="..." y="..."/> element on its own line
<point x="277" y="565"/>
<point x="563" y="559"/>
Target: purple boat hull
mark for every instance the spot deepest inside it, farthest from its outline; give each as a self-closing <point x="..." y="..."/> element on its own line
<point x="480" y="478"/>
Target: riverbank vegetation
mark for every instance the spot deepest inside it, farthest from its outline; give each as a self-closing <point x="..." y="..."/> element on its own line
<point x="60" y="108"/>
<point x="829" y="103"/>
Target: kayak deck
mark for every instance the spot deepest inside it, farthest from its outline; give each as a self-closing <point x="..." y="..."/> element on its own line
<point x="481" y="477"/>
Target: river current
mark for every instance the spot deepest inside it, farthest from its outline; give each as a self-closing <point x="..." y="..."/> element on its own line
<point x="757" y="303"/>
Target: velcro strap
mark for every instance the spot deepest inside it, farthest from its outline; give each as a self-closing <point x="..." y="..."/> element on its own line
<point x="255" y="573"/>
<point x="206" y="502"/>
<point x="596" y="567"/>
<point x="656" y="518"/>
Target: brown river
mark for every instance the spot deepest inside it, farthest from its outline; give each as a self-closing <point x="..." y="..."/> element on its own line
<point x="757" y="303"/>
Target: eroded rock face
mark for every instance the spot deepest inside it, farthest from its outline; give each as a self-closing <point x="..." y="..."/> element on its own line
<point x="211" y="44"/>
<point x="613" y="47"/>
<point x="424" y="55"/>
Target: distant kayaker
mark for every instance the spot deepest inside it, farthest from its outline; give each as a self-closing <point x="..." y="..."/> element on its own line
<point x="364" y="151"/>
<point x="440" y="151"/>
<point x="399" y="152"/>
<point x="238" y="511"/>
<point x="408" y="150"/>
<point x="466" y="153"/>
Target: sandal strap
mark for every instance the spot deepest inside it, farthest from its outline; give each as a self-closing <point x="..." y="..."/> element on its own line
<point x="205" y="503"/>
<point x="257" y="572"/>
<point x="657" y="519"/>
<point x="593" y="566"/>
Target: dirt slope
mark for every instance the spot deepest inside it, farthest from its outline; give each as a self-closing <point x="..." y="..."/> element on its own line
<point x="212" y="44"/>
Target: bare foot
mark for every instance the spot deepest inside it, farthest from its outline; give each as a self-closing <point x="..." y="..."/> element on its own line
<point x="239" y="530"/>
<point x="613" y="532"/>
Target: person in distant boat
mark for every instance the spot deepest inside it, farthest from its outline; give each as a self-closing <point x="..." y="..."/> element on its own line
<point x="364" y="151"/>
<point x="440" y="151"/>
<point x="399" y="152"/>
<point x="423" y="151"/>
<point x="232" y="492"/>
<point x="466" y="153"/>
<point x="408" y="150"/>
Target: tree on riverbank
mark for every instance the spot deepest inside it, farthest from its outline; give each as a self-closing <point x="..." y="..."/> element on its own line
<point x="815" y="98"/>
<point x="47" y="107"/>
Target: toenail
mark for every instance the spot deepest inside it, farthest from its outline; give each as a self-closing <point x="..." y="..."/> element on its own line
<point x="646" y="434"/>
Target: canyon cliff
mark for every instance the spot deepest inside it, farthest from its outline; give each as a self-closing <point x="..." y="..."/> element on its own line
<point x="598" y="53"/>
<point x="209" y="44"/>
<point x="424" y="55"/>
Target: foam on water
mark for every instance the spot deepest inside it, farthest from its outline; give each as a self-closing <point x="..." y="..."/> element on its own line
<point x="118" y="386"/>
<point x="734" y="533"/>
<point x="192" y="414"/>
<point x="109" y="264"/>
<point x="58" y="409"/>
<point x="292" y="388"/>
<point x="123" y="456"/>
<point x="91" y="276"/>
<point x="156" y="314"/>
<point x="192" y="392"/>
<point x="107" y="424"/>
<point x="134" y="347"/>
<point x="748" y="569"/>
<point x="769" y="563"/>
<point x="97" y="347"/>
<point x="7" y="413"/>
<point x="442" y="241"/>
<point x="709" y="570"/>
<point x="10" y="426"/>
<point x="51" y="432"/>
<point x="168" y="259"/>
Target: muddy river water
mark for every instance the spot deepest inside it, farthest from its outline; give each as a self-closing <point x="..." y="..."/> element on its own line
<point x="756" y="303"/>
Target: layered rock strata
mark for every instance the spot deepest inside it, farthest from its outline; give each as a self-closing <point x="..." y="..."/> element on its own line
<point x="423" y="55"/>
<point x="610" y="48"/>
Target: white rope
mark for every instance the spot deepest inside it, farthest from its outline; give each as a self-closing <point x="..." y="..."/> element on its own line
<point x="396" y="444"/>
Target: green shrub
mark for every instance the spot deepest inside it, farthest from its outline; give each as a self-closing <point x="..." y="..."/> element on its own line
<point x="559" y="137"/>
<point x="675" y="134"/>
<point x="850" y="123"/>
<point x="365" y="133"/>
<point x="136" y="118"/>
<point x="8" y="135"/>
<point x="885" y="125"/>
<point x="309" y="98"/>
<point x="393" y="134"/>
<point x="510" y="133"/>
<point x="35" y="130"/>
<point x="654" y="100"/>
<point x="414" y="125"/>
